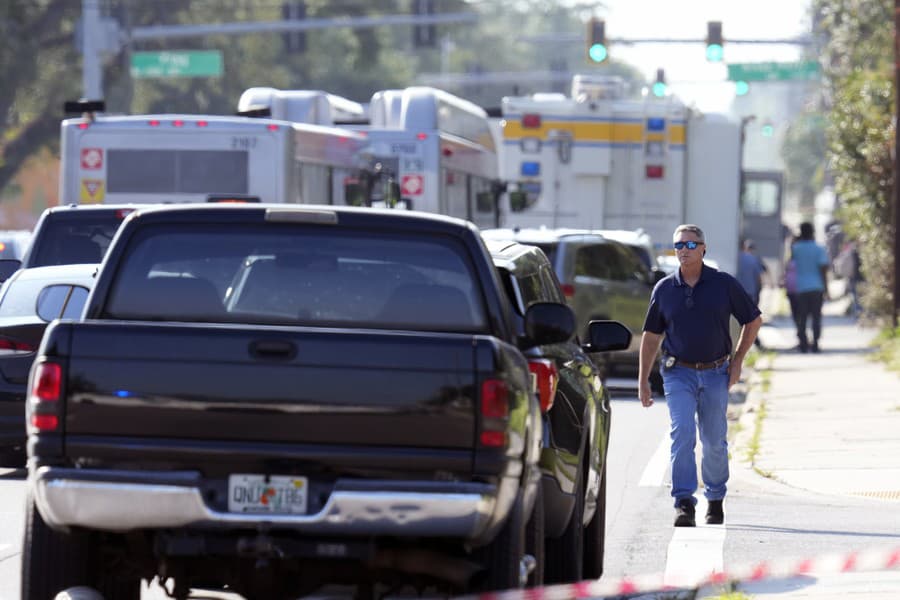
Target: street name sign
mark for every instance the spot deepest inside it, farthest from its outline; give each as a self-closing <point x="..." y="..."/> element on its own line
<point x="176" y="63"/>
<point x="774" y="71"/>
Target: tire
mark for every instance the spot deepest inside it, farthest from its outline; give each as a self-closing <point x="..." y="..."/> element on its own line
<point x="502" y="558"/>
<point x="51" y="561"/>
<point x="534" y="539"/>
<point x="563" y="558"/>
<point x="595" y="534"/>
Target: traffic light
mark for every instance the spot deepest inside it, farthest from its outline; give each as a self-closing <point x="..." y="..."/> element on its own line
<point x="659" y="86"/>
<point x="715" y="51"/>
<point x="597" y="50"/>
<point x="741" y="88"/>
<point x="424" y="36"/>
<point x="294" y="10"/>
<point x="767" y="130"/>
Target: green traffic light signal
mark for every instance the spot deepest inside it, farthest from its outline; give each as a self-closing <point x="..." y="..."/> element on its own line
<point x="767" y="130"/>
<point x="659" y="89"/>
<point x="741" y="88"/>
<point x="598" y="53"/>
<point x="714" y="53"/>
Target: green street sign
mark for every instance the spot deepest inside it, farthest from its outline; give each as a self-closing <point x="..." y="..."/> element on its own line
<point x="774" y="71"/>
<point x="177" y="63"/>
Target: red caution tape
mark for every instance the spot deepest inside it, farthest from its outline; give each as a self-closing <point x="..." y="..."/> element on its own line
<point x="858" y="562"/>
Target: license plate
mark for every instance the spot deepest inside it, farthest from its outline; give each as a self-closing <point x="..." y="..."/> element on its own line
<point x="276" y="494"/>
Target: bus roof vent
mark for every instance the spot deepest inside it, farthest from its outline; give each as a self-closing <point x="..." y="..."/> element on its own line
<point x="304" y="106"/>
<point x="587" y="88"/>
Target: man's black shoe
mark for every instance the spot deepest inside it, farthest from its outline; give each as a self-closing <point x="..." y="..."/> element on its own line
<point x="714" y="513"/>
<point x="684" y="513"/>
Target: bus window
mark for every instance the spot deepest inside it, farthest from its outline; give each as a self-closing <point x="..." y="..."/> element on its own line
<point x="177" y="171"/>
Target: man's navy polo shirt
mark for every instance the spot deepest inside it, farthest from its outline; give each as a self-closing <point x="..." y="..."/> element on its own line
<point x="697" y="330"/>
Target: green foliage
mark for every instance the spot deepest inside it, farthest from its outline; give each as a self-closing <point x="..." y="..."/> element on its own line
<point x="803" y="152"/>
<point x="858" y="66"/>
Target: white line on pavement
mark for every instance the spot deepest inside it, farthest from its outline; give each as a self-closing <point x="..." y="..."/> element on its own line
<point x="694" y="553"/>
<point x="655" y="472"/>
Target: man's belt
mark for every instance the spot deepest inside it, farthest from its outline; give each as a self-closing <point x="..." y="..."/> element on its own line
<point x="700" y="366"/>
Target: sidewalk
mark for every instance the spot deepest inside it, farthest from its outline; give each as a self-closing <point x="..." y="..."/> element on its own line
<point x="832" y="421"/>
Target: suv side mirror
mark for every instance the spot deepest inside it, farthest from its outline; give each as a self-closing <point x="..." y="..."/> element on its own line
<point x="605" y="336"/>
<point x="8" y="266"/>
<point x="656" y="274"/>
<point x="549" y="323"/>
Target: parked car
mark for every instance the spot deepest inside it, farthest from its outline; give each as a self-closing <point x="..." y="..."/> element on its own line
<point x="576" y="408"/>
<point x="273" y="397"/>
<point x="601" y="280"/>
<point x="30" y="299"/>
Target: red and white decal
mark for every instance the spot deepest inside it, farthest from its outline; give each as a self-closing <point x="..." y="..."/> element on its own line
<point x="91" y="158"/>
<point x="412" y="185"/>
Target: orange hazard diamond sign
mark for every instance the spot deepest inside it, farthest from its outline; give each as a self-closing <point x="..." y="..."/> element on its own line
<point x="91" y="191"/>
<point x="412" y="185"/>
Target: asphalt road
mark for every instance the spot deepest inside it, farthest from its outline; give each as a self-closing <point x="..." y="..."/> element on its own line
<point x="764" y="521"/>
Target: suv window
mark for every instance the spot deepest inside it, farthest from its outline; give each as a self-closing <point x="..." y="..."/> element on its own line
<point x="541" y="286"/>
<point x="632" y="263"/>
<point x="601" y="261"/>
<point x="68" y="238"/>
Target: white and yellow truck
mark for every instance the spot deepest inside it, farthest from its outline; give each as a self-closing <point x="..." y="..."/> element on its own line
<point x="594" y="160"/>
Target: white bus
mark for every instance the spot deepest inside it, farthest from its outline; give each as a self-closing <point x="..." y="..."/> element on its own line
<point x="436" y="146"/>
<point x="188" y="158"/>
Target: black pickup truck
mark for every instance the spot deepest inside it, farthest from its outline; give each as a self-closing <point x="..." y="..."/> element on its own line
<point x="271" y="398"/>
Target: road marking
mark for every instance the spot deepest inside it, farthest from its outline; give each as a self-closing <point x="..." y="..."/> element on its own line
<point x="694" y="553"/>
<point x="655" y="472"/>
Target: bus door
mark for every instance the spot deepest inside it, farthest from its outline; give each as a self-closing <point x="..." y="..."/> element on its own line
<point x="761" y="215"/>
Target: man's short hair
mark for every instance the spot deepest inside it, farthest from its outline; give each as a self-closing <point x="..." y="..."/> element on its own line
<point x="806" y="230"/>
<point x="692" y="229"/>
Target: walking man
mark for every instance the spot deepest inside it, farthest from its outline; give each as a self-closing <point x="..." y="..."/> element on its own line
<point x="812" y="285"/>
<point x="692" y="308"/>
<point x="750" y="269"/>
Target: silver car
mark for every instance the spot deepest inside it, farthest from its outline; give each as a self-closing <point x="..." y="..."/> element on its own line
<point x="601" y="279"/>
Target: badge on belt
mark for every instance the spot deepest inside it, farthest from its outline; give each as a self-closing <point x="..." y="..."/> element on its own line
<point x="670" y="362"/>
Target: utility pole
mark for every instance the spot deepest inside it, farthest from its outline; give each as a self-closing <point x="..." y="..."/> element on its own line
<point x="92" y="66"/>
<point x="896" y="163"/>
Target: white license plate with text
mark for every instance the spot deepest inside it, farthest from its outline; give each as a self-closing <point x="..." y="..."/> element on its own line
<point x="275" y="494"/>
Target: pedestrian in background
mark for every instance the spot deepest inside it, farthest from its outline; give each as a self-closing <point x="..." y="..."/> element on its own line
<point x="811" y="260"/>
<point x="750" y="269"/>
<point x="689" y="315"/>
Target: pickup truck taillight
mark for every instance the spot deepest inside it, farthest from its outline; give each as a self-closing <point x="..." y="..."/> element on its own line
<point x="494" y="412"/>
<point x="11" y="344"/>
<point x="46" y="386"/>
<point x="546" y="377"/>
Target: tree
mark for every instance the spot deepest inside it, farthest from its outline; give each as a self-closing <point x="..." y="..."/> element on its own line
<point x="858" y="67"/>
<point x="37" y="70"/>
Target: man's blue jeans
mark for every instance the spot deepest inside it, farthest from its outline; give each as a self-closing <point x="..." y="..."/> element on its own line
<point x="703" y="394"/>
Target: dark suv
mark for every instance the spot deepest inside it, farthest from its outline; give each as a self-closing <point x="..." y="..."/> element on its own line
<point x="601" y="279"/>
<point x="576" y="409"/>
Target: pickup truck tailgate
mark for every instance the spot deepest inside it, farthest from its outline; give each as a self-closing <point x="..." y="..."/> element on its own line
<point x="272" y="384"/>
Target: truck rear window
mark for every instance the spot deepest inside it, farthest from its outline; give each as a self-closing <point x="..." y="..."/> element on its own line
<point x="298" y="275"/>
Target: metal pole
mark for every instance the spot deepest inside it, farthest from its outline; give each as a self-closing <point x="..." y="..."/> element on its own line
<point x="91" y="66"/>
<point x="896" y="163"/>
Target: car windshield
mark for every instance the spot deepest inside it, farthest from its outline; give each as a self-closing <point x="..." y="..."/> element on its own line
<point x="298" y="275"/>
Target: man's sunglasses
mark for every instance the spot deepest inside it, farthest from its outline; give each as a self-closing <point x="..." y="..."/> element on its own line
<point x="691" y="245"/>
